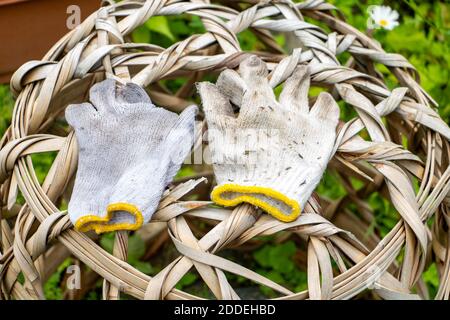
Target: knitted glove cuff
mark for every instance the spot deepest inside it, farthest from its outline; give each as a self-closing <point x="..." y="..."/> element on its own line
<point x="280" y="205"/>
<point x="283" y="194"/>
<point x="125" y="214"/>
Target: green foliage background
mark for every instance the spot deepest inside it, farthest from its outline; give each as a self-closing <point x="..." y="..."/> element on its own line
<point x="423" y="37"/>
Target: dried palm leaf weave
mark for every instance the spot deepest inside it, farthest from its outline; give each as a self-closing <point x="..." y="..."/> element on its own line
<point x="396" y="146"/>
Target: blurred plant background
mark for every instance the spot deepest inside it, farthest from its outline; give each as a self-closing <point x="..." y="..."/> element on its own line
<point x="423" y="37"/>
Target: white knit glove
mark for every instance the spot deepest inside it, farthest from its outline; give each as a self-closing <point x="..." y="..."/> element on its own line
<point x="273" y="154"/>
<point x="129" y="151"/>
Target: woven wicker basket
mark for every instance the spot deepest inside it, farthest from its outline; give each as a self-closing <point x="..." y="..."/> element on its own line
<point x="341" y="257"/>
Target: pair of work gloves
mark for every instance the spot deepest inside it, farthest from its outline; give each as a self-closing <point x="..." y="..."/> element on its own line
<point x="272" y="154"/>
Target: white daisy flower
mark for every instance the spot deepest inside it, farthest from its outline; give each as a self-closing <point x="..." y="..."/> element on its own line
<point x="383" y="17"/>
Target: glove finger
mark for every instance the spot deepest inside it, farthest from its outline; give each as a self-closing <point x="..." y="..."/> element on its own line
<point x="180" y="140"/>
<point x="295" y="90"/>
<point x="132" y="93"/>
<point x="326" y="108"/>
<point x="259" y="96"/>
<point x="215" y="105"/>
<point x="187" y="118"/>
<point x="231" y="85"/>
<point x="103" y="95"/>
<point x="253" y="71"/>
<point x="181" y="136"/>
<point x="78" y="115"/>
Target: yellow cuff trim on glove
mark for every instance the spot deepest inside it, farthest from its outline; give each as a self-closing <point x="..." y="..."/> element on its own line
<point x="100" y="224"/>
<point x="218" y="191"/>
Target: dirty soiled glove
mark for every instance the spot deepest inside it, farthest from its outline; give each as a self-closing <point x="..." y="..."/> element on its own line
<point x="129" y="151"/>
<point x="273" y="154"/>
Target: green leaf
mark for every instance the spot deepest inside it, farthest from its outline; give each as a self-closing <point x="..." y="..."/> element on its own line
<point x="330" y="186"/>
<point x="275" y="276"/>
<point x="42" y="163"/>
<point x="144" y="267"/>
<point x="431" y="279"/>
<point x="136" y="248"/>
<point x="431" y="276"/>
<point x="6" y="106"/>
<point x="188" y="279"/>
<point x="185" y="172"/>
<point x="277" y="257"/>
<point x="107" y="242"/>
<point x="262" y="256"/>
<point x="160" y="25"/>
<point x="406" y="38"/>
<point x="141" y="35"/>
<point x="52" y="289"/>
<point x="196" y="24"/>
